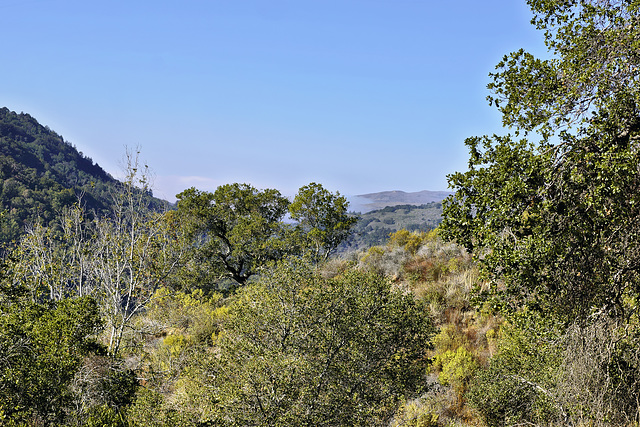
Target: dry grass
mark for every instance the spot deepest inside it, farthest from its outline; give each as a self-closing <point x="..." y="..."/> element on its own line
<point x="444" y="276"/>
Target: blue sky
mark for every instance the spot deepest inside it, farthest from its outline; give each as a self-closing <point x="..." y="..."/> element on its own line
<point x="361" y="96"/>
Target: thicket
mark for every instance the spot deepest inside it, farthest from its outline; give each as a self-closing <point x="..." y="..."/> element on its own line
<point x="150" y="343"/>
<point x="111" y="315"/>
<point x="396" y="335"/>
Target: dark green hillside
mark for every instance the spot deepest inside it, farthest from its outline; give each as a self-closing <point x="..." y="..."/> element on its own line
<point x="373" y="228"/>
<point x="40" y="173"/>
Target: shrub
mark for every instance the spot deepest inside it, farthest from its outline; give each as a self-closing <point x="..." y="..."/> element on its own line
<point x="457" y="368"/>
<point x="298" y="349"/>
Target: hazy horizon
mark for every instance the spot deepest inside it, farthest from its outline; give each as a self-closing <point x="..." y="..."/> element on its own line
<point x="359" y="96"/>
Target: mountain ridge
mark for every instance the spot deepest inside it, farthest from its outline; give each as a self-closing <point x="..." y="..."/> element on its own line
<point x="41" y="174"/>
<point x="373" y="201"/>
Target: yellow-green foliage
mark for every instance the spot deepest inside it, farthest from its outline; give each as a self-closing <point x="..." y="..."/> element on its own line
<point x="457" y="367"/>
<point x="449" y="338"/>
<point x="151" y="409"/>
<point x="374" y="253"/>
<point x="411" y="241"/>
<point x="193" y="315"/>
<point x="103" y="415"/>
<point x="453" y="359"/>
<point x="436" y="408"/>
<point x="184" y="324"/>
<point x="176" y="343"/>
<point x="415" y="414"/>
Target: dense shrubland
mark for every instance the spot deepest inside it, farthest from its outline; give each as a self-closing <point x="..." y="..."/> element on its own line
<point x="214" y="313"/>
<point x="404" y="334"/>
<point x="220" y="313"/>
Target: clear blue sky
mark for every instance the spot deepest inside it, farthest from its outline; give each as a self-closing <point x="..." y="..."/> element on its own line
<point x="361" y="96"/>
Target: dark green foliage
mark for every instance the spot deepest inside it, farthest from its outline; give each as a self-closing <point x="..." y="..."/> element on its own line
<point x="42" y="347"/>
<point x="553" y="219"/>
<point x="235" y="230"/>
<point x="556" y="225"/>
<point x="301" y="350"/>
<point x="322" y="219"/>
<point x="41" y="173"/>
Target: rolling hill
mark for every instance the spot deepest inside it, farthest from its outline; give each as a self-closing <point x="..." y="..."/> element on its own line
<point x="374" y="227"/>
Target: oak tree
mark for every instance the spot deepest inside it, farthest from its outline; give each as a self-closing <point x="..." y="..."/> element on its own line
<point x="323" y="219"/>
<point x="551" y="213"/>
<point x="235" y="230"/>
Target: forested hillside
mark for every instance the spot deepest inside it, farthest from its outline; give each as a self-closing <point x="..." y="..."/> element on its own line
<point x="41" y="174"/>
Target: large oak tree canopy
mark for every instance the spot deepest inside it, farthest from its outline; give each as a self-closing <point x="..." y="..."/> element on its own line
<point x="237" y="226"/>
<point x="239" y="229"/>
<point x="554" y="221"/>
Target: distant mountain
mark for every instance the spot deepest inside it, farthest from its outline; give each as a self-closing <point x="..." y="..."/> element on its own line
<point x="368" y="202"/>
<point x="41" y="173"/>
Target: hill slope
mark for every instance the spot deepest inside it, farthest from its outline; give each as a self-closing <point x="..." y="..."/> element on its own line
<point x="41" y="173"/>
<point x="373" y="228"/>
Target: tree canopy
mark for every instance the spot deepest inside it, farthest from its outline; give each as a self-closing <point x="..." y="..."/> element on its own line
<point x="553" y="219"/>
<point x="550" y="214"/>
<point x="323" y="218"/>
<point x="236" y="228"/>
<point x="301" y="350"/>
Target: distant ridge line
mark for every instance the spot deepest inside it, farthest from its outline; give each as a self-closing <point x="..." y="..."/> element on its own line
<point x="372" y="201"/>
<point x="398" y="196"/>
